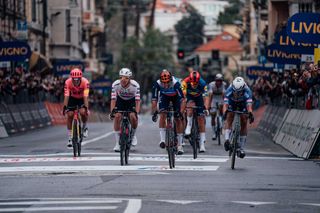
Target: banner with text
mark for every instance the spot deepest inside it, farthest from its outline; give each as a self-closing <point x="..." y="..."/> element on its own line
<point x="278" y="54"/>
<point x="64" y="67"/>
<point x="255" y="72"/>
<point x="14" y="51"/>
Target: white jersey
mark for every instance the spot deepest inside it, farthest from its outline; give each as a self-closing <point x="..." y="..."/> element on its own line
<point x="130" y="92"/>
<point x="217" y="92"/>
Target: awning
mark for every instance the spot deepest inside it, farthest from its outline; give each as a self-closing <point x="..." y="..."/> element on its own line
<point x="39" y="63"/>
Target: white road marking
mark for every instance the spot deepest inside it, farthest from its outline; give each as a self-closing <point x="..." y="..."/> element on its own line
<point x="43" y="202"/>
<point x="97" y="138"/>
<point x="103" y="168"/>
<point x="134" y="206"/>
<point x="66" y="208"/>
<point x="183" y="202"/>
<point x="310" y="204"/>
<point x="68" y="154"/>
<point x="255" y="203"/>
<point x="115" y="158"/>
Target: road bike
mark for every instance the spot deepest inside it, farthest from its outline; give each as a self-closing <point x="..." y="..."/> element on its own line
<point x="194" y="137"/>
<point x="77" y="132"/>
<point x="171" y="135"/>
<point x="125" y="136"/>
<point x="235" y="136"/>
<point x="219" y="124"/>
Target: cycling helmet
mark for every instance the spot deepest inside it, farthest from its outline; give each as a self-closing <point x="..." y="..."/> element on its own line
<point x="76" y="73"/>
<point x="194" y="77"/>
<point x="238" y="84"/>
<point x="165" y="76"/>
<point x="125" y="72"/>
<point x="219" y="77"/>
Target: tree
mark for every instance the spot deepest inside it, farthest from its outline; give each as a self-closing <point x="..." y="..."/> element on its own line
<point x="148" y="58"/>
<point x="231" y="13"/>
<point x="190" y="30"/>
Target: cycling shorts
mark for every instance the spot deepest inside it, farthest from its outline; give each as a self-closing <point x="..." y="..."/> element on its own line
<point x="125" y="105"/>
<point x="237" y="106"/>
<point x="165" y="100"/>
<point x="73" y="103"/>
<point x="198" y="102"/>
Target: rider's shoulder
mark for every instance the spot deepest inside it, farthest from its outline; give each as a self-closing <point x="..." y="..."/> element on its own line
<point x="116" y="83"/>
<point x="85" y="80"/>
<point x="134" y="83"/>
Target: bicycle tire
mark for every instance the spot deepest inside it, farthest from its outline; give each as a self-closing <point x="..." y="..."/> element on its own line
<point x="170" y="147"/>
<point x="234" y="151"/>
<point x="123" y="138"/>
<point x="218" y="132"/>
<point x="194" y="138"/>
<point x="74" y="138"/>
<point x="80" y="140"/>
<point x="127" y="147"/>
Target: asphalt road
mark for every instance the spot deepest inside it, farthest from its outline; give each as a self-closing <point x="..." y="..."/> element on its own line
<point x="39" y="174"/>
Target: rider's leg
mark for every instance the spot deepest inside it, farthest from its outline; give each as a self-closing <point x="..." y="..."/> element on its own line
<point x="243" y="134"/>
<point x="134" y="125"/>
<point x="189" y="117"/>
<point x="213" y="124"/>
<point x="116" y="127"/>
<point x="202" y="131"/>
<point x="228" y="126"/>
<point x="84" y="118"/>
<point x="179" y="129"/>
<point x="69" y="127"/>
<point x="162" y="126"/>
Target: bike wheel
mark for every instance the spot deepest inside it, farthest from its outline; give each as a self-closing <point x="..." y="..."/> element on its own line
<point x="79" y="141"/>
<point x="170" y="147"/>
<point x="123" y="139"/>
<point x="74" y="138"/>
<point x="234" y="151"/>
<point x="218" y="133"/>
<point x="194" y="140"/>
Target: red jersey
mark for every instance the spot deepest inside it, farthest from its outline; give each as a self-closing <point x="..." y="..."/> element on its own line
<point x="76" y="91"/>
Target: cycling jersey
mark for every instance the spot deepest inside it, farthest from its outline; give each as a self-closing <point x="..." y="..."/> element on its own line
<point x="243" y="97"/>
<point x="190" y="92"/>
<point x="216" y="92"/>
<point x="76" y="91"/>
<point x="174" y="89"/>
<point x="132" y="91"/>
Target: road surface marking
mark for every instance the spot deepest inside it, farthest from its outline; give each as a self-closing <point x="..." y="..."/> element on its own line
<point x="111" y="158"/>
<point x="183" y="202"/>
<point x="97" y="138"/>
<point x="134" y="206"/>
<point x="104" y="168"/>
<point x="66" y="208"/>
<point x="310" y="204"/>
<point x="44" y="202"/>
<point x="255" y="203"/>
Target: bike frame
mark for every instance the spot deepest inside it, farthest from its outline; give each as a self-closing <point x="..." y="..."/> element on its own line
<point x="76" y="132"/>
<point x="195" y="135"/>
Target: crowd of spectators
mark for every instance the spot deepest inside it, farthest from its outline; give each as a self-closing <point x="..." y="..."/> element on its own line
<point x="30" y="87"/>
<point x="292" y="88"/>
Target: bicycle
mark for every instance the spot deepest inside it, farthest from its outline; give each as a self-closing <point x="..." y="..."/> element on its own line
<point x="171" y="135"/>
<point x="77" y="133"/>
<point x="219" y="124"/>
<point x="194" y="138"/>
<point x="125" y="135"/>
<point x="235" y="136"/>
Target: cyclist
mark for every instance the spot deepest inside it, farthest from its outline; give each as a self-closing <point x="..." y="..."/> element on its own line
<point x="195" y="89"/>
<point x="238" y="97"/>
<point x="165" y="90"/>
<point x="76" y="93"/>
<point x="216" y="89"/>
<point x="125" y="95"/>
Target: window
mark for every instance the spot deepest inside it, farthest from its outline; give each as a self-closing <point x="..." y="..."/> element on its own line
<point x="305" y="7"/>
<point x="68" y="25"/>
<point x="88" y="4"/>
<point x="34" y="10"/>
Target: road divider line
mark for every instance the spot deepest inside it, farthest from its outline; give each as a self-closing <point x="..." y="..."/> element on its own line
<point x="58" y="208"/>
<point x="134" y="206"/>
<point x="43" y="202"/>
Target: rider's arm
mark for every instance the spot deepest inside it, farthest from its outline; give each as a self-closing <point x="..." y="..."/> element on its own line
<point x="181" y="95"/>
<point x="137" y="99"/>
<point x="86" y="94"/>
<point x="248" y="96"/>
<point x="205" y="96"/>
<point x="226" y="101"/>
<point x="113" y="97"/>
<point x="66" y="93"/>
<point x="155" y="94"/>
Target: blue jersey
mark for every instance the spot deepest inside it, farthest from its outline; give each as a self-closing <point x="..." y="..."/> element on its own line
<point x="174" y="89"/>
<point x="244" y="96"/>
<point x="189" y="91"/>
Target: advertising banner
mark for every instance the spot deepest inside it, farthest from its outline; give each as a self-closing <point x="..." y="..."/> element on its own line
<point x="64" y="67"/>
<point x="14" y="51"/>
<point x="304" y="27"/>
<point x="102" y="84"/>
<point x="7" y="119"/>
<point x="277" y="54"/>
<point x="253" y="72"/>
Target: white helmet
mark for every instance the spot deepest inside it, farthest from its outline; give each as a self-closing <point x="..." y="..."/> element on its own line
<point x="125" y="72"/>
<point x="238" y="84"/>
<point x="219" y="76"/>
